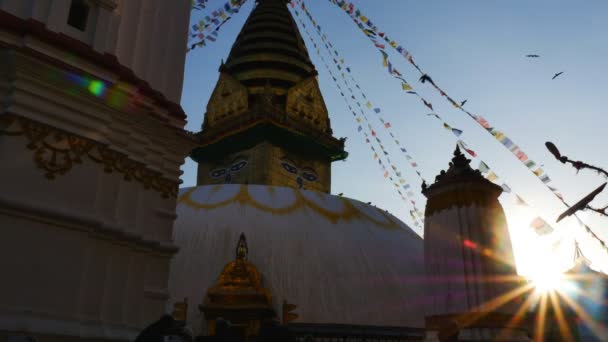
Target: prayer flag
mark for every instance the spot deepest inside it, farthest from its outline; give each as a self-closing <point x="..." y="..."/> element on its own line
<point x="456" y="132"/>
<point x="464" y="146"/>
<point x="429" y="105"/>
<point x="377" y="110"/>
<point x="387" y="125"/>
<point x="520" y="201"/>
<point x="406" y="86"/>
<point x="492" y="176"/>
<point x="483" y="122"/>
<point x="540" y="226"/>
<point x="384" y="58"/>
<point x="483" y="167"/>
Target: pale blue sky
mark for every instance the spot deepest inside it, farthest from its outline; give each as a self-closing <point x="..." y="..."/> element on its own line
<point x="474" y="50"/>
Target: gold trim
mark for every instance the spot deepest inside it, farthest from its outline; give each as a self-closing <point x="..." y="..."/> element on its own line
<point x="243" y="197"/>
<point x="57" y="151"/>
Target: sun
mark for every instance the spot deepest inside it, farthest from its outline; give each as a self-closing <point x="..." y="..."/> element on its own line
<point x="547" y="280"/>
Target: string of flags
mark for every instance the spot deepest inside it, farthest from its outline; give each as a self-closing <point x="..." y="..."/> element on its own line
<point x="395" y="73"/>
<point x="207" y="28"/>
<point x="372" y="139"/>
<point x="540" y="229"/>
<point x="381" y="40"/>
<point x="342" y="66"/>
<point x="199" y="4"/>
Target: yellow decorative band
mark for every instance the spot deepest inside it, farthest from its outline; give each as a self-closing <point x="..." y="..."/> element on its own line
<point x="348" y="211"/>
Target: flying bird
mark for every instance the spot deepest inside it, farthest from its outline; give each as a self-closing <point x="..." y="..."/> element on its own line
<point x="463" y="102"/>
<point x="424" y="78"/>
<point x="557" y="75"/>
<point x="532" y="56"/>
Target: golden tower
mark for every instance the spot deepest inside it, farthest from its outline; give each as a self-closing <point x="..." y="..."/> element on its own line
<point x="266" y="121"/>
<point x="238" y="296"/>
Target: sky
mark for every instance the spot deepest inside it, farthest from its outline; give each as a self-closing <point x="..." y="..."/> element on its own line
<point x="475" y="50"/>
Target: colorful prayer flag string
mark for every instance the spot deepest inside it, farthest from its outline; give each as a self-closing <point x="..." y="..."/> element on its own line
<point x="374" y="34"/>
<point x="331" y="49"/>
<point x="415" y="214"/>
<point x="207" y="29"/>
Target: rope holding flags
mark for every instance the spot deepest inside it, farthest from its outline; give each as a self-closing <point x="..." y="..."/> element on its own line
<point x="376" y="36"/>
<point x="207" y="29"/>
<point x="371" y="135"/>
<point x="342" y="65"/>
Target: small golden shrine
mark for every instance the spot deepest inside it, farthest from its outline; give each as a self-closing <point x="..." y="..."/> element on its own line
<point x="238" y="296"/>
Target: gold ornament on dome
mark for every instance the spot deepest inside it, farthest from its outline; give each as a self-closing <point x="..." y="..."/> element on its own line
<point x="57" y="151"/>
<point x="239" y="284"/>
<point x="347" y="212"/>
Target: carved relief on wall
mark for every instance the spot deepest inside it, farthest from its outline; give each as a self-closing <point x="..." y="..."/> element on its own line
<point x="56" y="152"/>
<point x="304" y="100"/>
<point x="229" y="98"/>
<point x="302" y="175"/>
<point x="224" y="174"/>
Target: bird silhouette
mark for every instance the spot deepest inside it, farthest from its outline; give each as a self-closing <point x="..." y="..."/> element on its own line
<point x="557" y="75"/>
<point x="532" y="56"/>
<point x="341" y="194"/>
<point x="424" y="78"/>
<point x="463" y="102"/>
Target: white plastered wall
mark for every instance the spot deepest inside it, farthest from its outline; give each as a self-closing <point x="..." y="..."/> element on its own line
<point x="147" y="36"/>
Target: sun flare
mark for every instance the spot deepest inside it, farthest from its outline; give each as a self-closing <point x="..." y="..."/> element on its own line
<point x="546" y="280"/>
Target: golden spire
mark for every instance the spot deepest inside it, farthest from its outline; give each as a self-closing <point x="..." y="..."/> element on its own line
<point x="266" y="105"/>
<point x="238" y="295"/>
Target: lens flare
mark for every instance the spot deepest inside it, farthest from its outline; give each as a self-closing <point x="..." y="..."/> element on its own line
<point x="96" y="88"/>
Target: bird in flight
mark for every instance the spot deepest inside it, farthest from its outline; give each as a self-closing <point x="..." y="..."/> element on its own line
<point x="463" y="102"/>
<point x="557" y="75"/>
<point x="426" y="78"/>
<point x="532" y="56"/>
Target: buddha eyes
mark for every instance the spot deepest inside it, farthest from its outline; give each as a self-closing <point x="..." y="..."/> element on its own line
<point x="217" y="173"/>
<point x="309" y="174"/>
<point x="305" y="173"/>
<point x="238" y="166"/>
<point x="289" y="168"/>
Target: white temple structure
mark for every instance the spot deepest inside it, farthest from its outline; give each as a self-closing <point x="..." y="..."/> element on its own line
<point x="91" y="142"/>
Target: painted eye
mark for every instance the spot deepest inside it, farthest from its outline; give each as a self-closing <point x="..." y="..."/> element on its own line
<point x="238" y="166"/>
<point x="217" y="173"/>
<point x="309" y="176"/>
<point x="289" y="168"/>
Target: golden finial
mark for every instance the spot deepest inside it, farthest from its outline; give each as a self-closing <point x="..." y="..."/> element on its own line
<point x="180" y="310"/>
<point x="241" y="248"/>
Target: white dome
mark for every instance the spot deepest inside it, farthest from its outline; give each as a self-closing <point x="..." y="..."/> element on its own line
<point x="339" y="260"/>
